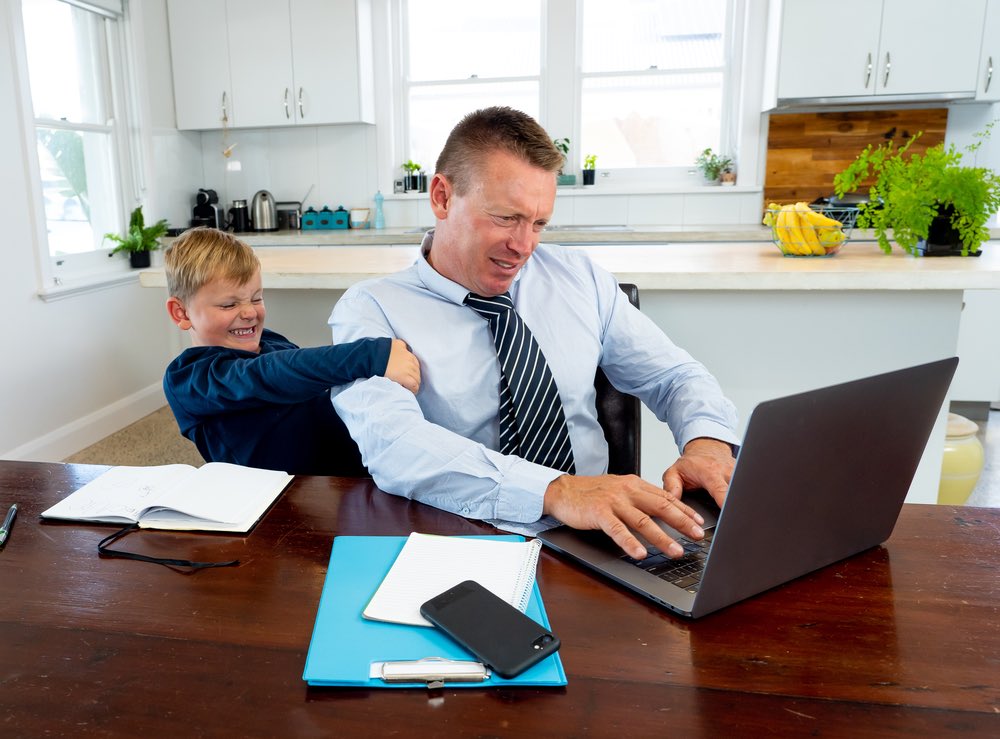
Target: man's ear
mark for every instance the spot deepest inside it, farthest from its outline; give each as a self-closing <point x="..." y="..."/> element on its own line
<point x="178" y="313"/>
<point x="440" y="195"/>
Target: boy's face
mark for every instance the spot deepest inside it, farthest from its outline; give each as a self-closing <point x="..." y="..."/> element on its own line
<point x="223" y="313"/>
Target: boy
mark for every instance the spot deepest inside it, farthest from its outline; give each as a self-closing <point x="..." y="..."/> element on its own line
<point x="245" y="394"/>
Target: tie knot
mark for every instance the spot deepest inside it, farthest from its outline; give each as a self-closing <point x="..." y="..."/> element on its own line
<point x="494" y="305"/>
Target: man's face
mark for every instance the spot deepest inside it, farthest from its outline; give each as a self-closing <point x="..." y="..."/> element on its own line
<point x="484" y="237"/>
<point x="223" y="313"/>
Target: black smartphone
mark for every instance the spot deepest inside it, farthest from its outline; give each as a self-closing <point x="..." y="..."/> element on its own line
<point x="498" y="634"/>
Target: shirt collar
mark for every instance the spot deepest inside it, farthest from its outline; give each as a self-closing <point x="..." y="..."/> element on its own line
<point x="438" y="283"/>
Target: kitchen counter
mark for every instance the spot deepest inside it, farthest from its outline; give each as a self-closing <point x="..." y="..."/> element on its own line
<point x="764" y="324"/>
<point x="727" y="265"/>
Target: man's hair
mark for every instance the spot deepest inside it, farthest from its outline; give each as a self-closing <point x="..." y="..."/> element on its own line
<point x="495" y="129"/>
<point x="203" y="254"/>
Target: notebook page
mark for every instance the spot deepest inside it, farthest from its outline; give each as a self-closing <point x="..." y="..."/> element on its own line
<point x="120" y="494"/>
<point x="428" y="565"/>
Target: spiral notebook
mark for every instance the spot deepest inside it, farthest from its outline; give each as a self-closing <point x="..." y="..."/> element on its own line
<point x="428" y="565"/>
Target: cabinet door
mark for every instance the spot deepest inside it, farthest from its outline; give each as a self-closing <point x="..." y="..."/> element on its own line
<point x="332" y="60"/>
<point x="260" y="58"/>
<point x="988" y="86"/>
<point x="199" y="57"/>
<point x="930" y="47"/>
<point x="826" y="48"/>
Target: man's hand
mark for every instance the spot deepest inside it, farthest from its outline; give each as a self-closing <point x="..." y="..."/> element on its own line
<point x="403" y="367"/>
<point x="621" y="505"/>
<point x="705" y="463"/>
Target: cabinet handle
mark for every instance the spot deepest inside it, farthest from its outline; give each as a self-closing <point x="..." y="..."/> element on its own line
<point x="302" y="113"/>
<point x="868" y="70"/>
<point x="989" y="74"/>
<point x="225" y="109"/>
<point x="888" y="67"/>
<point x="287" y="113"/>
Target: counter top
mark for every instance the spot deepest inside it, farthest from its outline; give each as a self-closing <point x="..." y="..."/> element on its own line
<point x="732" y="265"/>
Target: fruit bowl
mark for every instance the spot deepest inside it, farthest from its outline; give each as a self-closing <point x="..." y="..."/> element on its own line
<point x="801" y="230"/>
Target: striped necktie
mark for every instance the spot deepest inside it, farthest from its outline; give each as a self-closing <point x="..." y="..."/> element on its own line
<point x="532" y="422"/>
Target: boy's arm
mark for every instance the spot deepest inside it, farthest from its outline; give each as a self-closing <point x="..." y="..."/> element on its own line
<point x="217" y="382"/>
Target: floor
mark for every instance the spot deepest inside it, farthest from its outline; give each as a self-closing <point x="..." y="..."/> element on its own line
<point x="155" y="440"/>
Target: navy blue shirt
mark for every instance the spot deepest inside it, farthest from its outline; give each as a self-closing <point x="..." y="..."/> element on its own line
<point x="271" y="410"/>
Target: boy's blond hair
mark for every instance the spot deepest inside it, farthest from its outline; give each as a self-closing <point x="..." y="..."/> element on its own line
<point x="203" y="254"/>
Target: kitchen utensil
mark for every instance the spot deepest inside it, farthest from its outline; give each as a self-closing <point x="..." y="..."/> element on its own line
<point x="289" y="214"/>
<point x="263" y="213"/>
<point x="239" y="217"/>
<point x="206" y="210"/>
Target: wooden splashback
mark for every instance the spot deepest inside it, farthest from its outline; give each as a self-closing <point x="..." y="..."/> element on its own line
<point x="805" y="150"/>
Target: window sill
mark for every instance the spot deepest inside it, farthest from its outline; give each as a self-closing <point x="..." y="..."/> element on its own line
<point x="623" y="188"/>
<point x="82" y="286"/>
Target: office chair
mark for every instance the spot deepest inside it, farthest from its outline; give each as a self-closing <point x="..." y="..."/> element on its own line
<point x="618" y="414"/>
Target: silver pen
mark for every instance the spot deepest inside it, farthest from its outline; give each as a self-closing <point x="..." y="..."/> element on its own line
<point x="8" y="522"/>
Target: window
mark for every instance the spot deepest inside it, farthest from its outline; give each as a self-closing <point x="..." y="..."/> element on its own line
<point x="73" y="55"/>
<point x="652" y="80"/>
<point x="461" y="57"/>
<point x="643" y="84"/>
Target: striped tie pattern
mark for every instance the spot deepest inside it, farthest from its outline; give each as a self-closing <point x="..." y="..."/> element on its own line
<point x="532" y="422"/>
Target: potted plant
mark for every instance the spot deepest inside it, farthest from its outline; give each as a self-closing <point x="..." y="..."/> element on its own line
<point x="932" y="203"/>
<point x="712" y="165"/>
<point x="564" y="179"/>
<point x="413" y="176"/>
<point x="589" y="169"/>
<point x="140" y="240"/>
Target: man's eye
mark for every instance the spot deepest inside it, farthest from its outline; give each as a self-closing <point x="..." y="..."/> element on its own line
<point x="506" y="219"/>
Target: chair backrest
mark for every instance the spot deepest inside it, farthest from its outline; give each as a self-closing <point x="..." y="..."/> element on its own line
<point x="619" y="416"/>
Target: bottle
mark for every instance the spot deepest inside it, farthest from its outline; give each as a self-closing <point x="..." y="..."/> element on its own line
<point x="379" y="216"/>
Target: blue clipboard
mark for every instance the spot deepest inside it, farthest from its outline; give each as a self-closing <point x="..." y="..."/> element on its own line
<point x="344" y="645"/>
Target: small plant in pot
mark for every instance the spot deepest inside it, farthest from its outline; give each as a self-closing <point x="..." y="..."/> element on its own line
<point x="933" y="204"/>
<point x="563" y="146"/>
<point x="140" y="240"/>
<point x="712" y="165"/>
<point x="589" y="169"/>
<point x="414" y="177"/>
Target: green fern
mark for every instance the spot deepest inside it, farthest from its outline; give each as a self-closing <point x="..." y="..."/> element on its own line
<point x="138" y="238"/>
<point x="910" y="191"/>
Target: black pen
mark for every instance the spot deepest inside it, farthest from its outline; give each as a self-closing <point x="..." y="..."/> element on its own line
<point x="7" y="523"/>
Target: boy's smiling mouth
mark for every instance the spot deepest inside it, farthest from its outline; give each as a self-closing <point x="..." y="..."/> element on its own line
<point x="243" y="332"/>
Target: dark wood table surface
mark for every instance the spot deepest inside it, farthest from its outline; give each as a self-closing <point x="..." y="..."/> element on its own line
<point x="903" y="639"/>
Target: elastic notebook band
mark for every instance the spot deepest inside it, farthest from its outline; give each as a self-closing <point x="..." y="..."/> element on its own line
<point x="103" y="551"/>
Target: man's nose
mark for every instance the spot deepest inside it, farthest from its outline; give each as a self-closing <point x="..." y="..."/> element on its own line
<point x="524" y="239"/>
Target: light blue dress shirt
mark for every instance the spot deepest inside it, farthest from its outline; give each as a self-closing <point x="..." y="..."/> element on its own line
<point x="438" y="447"/>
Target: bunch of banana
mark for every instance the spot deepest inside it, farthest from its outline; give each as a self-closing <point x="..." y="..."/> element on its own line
<point x="801" y="231"/>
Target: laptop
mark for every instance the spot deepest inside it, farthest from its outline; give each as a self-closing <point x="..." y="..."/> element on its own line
<point x="820" y="476"/>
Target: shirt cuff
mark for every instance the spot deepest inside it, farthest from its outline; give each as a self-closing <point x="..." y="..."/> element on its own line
<point x="522" y="491"/>
<point x="708" y="429"/>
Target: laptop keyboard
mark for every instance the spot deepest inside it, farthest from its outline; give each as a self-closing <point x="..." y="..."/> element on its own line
<point x="684" y="572"/>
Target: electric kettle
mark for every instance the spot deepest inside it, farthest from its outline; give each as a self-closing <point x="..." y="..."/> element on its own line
<point x="263" y="212"/>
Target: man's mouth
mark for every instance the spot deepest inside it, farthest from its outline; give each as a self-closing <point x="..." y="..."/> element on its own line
<point x="507" y="266"/>
<point x="243" y="332"/>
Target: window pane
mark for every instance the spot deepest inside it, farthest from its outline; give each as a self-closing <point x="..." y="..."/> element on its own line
<point x="78" y="189"/>
<point x="451" y="40"/>
<point x="435" y="109"/>
<point x="630" y="35"/>
<point x="66" y="50"/>
<point x="651" y="120"/>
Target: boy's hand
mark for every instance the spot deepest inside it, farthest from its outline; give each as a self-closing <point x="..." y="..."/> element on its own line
<point x="403" y="367"/>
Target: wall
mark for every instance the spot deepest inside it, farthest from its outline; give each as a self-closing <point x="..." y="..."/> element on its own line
<point x="78" y="368"/>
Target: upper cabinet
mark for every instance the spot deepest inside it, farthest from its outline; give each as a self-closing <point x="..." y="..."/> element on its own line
<point x="988" y="86"/>
<point x="860" y="49"/>
<point x="274" y="62"/>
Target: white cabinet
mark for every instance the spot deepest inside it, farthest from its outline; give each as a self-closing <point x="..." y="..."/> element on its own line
<point x="200" y="58"/>
<point x="988" y="85"/>
<point x="274" y="62"/>
<point x="860" y="48"/>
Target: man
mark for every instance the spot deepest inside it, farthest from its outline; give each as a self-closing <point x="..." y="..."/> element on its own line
<point x="492" y="195"/>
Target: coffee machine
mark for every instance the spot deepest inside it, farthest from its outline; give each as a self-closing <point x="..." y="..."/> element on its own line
<point x="207" y="211"/>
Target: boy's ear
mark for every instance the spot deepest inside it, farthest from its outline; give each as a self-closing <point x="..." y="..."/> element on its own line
<point x="178" y="313"/>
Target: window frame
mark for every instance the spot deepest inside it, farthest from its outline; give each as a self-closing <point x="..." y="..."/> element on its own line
<point x="561" y="91"/>
<point x="60" y="276"/>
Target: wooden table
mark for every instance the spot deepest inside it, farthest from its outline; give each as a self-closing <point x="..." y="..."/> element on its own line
<point x="902" y="639"/>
